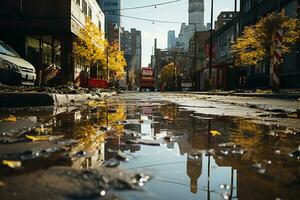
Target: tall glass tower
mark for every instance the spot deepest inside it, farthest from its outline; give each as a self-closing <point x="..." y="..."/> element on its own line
<point x="196" y="14"/>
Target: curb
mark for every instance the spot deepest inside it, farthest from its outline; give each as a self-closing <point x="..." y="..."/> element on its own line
<point x="13" y="99"/>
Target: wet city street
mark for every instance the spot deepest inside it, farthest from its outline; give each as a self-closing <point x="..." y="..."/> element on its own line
<point x="150" y="146"/>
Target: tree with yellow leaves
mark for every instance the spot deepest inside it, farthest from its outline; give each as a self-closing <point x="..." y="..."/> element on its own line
<point x="90" y="44"/>
<point x="96" y="51"/>
<point x="256" y="42"/>
<point x="168" y="73"/>
<point x="131" y="76"/>
<point x="116" y="61"/>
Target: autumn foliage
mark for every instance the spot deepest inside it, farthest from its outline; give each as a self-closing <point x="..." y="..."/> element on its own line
<point x="168" y="74"/>
<point x="92" y="46"/>
<point x="116" y="61"/>
<point x="256" y="42"/>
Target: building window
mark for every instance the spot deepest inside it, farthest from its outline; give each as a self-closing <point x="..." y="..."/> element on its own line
<point x="230" y="15"/>
<point x="224" y="16"/>
<point x="57" y="54"/>
<point x="78" y="2"/>
<point x="99" y="25"/>
<point x="90" y="12"/>
<point x="84" y="7"/>
<point x="248" y="5"/>
<point x="47" y="51"/>
<point x="32" y="50"/>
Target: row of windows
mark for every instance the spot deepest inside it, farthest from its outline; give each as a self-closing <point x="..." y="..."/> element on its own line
<point x="86" y="9"/>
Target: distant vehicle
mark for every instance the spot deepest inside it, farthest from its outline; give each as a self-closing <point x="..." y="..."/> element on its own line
<point x="147" y="79"/>
<point x="13" y="69"/>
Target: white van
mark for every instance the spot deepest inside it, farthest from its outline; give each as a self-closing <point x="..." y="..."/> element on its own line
<point x="13" y="69"/>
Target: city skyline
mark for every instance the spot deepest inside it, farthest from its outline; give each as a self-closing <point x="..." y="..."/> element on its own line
<point x="151" y="30"/>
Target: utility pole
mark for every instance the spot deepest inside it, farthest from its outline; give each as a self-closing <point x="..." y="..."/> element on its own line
<point x="107" y="71"/>
<point x="235" y="19"/>
<point x="211" y="43"/>
<point x="155" y="64"/>
<point x="174" y="61"/>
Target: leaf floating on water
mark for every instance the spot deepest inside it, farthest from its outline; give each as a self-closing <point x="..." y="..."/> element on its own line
<point x="44" y="137"/>
<point x="12" y="163"/>
<point x="11" y="118"/>
<point x="215" y="132"/>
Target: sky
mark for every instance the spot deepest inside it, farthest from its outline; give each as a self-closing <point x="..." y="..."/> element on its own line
<point x="177" y="12"/>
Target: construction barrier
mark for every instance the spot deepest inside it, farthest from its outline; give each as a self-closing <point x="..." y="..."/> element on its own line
<point x="276" y="59"/>
<point x="93" y="83"/>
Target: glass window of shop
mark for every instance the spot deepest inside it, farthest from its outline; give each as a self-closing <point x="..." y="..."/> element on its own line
<point x="32" y="50"/>
<point x="43" y="51"/>
<point x="47" y="51"/>
<point x="57" y="54"/>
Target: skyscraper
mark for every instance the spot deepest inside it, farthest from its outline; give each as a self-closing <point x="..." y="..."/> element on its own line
<point x="196" y="23"/>
<point x="171" y="39"/>
<point x="196" y="14"/>
<point x="131" y="44"/>
<point x="112" y="11"/>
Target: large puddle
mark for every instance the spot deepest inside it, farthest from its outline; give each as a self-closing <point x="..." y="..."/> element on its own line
<point x="187" y="155"/>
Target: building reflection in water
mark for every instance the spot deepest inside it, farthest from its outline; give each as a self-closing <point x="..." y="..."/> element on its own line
<point x="194" y="139"/>
<point x="194" y="171"/>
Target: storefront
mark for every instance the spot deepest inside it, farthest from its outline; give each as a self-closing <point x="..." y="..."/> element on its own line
<point x="44" y="52"/>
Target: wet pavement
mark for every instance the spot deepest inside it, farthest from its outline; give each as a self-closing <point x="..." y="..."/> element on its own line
<point x="144" y="146"/>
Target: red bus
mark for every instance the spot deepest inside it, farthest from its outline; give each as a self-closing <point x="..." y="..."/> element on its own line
<point x="147" y="79"/>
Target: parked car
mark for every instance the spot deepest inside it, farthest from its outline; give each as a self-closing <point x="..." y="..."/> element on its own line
<point x="13" y="69"/>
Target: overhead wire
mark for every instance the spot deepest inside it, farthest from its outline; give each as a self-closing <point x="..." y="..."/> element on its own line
<point x="145" y="6"/>
<point x="150" y="20"/>
<point x="160" y="9"/>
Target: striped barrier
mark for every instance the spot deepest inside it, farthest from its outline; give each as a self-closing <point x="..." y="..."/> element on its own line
<point x="276" y="59"/>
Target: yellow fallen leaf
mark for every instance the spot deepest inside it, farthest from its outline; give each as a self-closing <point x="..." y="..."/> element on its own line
<point x="95" y="103"/>
<point x="42" y="130"/>
<point x="215" y="132"/>
<point x="2" y="184"/>
<point x="11" y="118"/>
<point x="44" y="137"/>
<point x="12" y="163"/>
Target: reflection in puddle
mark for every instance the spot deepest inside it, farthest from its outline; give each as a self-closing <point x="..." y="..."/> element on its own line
<point x="199" y="157"/>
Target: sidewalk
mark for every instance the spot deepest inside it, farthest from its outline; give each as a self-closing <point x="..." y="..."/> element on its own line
<point x="279" y="103"/>
<point x="282" y="94"/>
